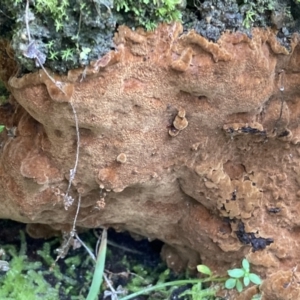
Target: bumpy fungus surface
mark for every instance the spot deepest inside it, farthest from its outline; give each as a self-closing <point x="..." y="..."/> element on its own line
<point x="236" y="161"/>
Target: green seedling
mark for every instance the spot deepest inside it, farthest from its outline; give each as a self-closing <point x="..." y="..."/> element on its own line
<point x="67" y="54"/>
<point x="1" y="128"/>
<point x="197" y="291"/>
<point x="238" y="277"/>
<point x="50" y="45"/>
<point x="53" y="55"/>
<point x="249" y="18"/>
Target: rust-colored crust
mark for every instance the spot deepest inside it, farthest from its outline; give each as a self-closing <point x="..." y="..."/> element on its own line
<point x="238" y="159"/>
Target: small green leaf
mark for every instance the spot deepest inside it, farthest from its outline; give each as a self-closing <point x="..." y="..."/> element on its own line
<point x="254" y="278"/>
<point x="246" y="265"/>
<point x="84" y="53"/>
<point x="2" y="128"/>
<point x="230" y="283"/>
<point x="239" y="286"/>
<point x="53" y="55"/>
<point x="162" y="11"/>
<point x="204" y="269"/>
<point x="86" y="50"/>
<point x="246" y="280"/>
<point x="236" y="273"/>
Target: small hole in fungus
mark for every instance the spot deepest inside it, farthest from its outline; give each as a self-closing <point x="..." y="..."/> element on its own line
<point x="58" y="133"/>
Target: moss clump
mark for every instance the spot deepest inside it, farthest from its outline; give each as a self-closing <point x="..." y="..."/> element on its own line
<point x="148" y="13"/>
<point x="24" y="280"/>
<point x="257" y="13"/>
<point x="212" y="17"/>
<point x="71" y="33"/>
<point x="31" y="275"/>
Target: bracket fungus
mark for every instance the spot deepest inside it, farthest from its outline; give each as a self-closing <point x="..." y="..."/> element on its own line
<point x="122" y="158"/>
<point x="197" y="197"/>
<point x="180" y="122"/>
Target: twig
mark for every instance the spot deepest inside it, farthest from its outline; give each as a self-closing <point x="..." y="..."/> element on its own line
<point x="281" y="88"/>
<point x="69" y="239"/>
<point x="123" y="274"/>
<point x="76" y="216"/>
<point x="57" y="83"/>
<point x="176" y="283"/>
<point x="1" y="11"/>
<point x="79" y="24"/>
<point x="68" y="200"/>
<point x="113" y="291"/>
<point x="83" y="74"/>
<point x="111" y="243"/>
<point x="86" y="248"/>
<point x="26" y="20"/>
<point x="33" y="52"/>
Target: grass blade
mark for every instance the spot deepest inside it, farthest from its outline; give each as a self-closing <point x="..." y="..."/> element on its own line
<point x="99" y="269"/>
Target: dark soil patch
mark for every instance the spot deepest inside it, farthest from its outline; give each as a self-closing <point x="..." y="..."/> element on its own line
<point x="130" y="263"/>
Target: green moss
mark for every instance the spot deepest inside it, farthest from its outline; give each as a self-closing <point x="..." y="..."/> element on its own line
<point x="213" y="17"/>
<point x="71" y="33"/>
<point x="62" y="31"/>
<point x="24" y="280"/>
<point x="148" y="13"/>
<point x="255" y="12"/>
<point x="36" y="280"/>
